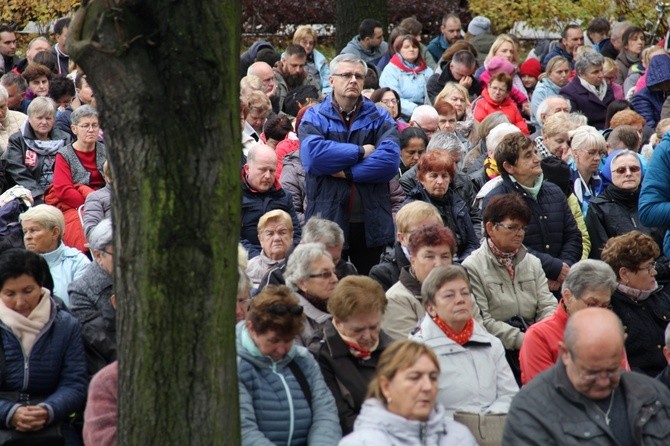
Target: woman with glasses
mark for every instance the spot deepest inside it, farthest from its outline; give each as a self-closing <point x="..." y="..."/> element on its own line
<point x="283" y="397"/>
<point x="642" y="306"/>
<point x="510" y="287"/>
<point x="389" y="99"/>
<point x="588" y="146"/>
<point x="310" y="273"/>
<point x="590" y="283"/>
<point x="78" y="172"/>
<point x="494" y="98"/>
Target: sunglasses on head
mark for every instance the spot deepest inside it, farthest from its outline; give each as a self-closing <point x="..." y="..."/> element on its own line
<point x="282" y="309"/>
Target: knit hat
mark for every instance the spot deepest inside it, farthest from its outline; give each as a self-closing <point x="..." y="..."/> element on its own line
<point x="531" y="67"/>
<point x="557" y="171"/>
<point x="479" y="25"/>
<point x="499" y="64"/>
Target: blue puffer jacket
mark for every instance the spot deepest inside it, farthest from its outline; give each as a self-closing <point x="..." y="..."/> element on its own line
<point x="328" y="146"/>
<point x="254" y="205"/>
<point x="649" y="102"/>
<point x="271" y="417"/>
<point x="552" y="234"/>
<point x="55" y="367"/>
<point x="410" y="85"/>
<point x="654" y="204"/>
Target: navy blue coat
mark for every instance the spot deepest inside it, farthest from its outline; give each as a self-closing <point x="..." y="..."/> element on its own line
<point x="328" y="145"/>
<point x="588" y="103"/>
<point x="552" y="234"/>
<point x="55" y="367"/>
<point x="254" y="205"/>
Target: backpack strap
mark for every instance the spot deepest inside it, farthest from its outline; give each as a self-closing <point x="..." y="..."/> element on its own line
<point x="302" y="381"/>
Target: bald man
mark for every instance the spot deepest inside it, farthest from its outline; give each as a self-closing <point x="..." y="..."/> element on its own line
<point x="586" y="398"/>
<point x="261" y="193"/>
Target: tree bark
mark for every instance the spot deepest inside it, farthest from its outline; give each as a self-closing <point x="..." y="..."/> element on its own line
<point x="165" y="76"/>
<point x="350" y="13"/>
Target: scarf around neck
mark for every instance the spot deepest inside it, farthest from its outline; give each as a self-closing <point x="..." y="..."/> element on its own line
<point x="634" y="293"/>
<point x="355" y="349"/>
<point x="406" y="66"/>
<point x="49" y="147"/>
<point x="532" y="191"/>
<point x="491" y="168"/>
<point x="599" y="91"/>
<point x="320" y="304"/>
<point x="24" y="328"/>
<point x="458" y="337"/>
<point x="506" y="259"/>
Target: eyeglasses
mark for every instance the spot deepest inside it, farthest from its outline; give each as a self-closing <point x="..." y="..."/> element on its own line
<point x="359" y="77"/>
<point x="513" y="228"/>
<point x="89" y="126"/>
<point x="623" y="169"/>
<point x="281" y="309"/>
<point x="589" y="377"/>
<point x="324" y="275"/>
<point x="648" y="268"/>
<point x="390" y="101"/>
<point x="108" y="253"/>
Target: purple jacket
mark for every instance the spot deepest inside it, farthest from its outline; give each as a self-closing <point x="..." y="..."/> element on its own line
<point x="588" y="103"/>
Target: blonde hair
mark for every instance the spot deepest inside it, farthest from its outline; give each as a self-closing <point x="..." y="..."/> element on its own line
<point x="557" y="123"/>
<point x="250" y="83"/>
<point x="276" y="215"/>
<point x="503" y="38"/>
<point x="650" y="52"/>
<point x="304" y="31"/>
<point x="414" y="212"/>
<point x="258" y="100"/>
<point x="585" y="138"/>
<point x="449" y="88"/>
<point x="609" y="65"/>
<point x="398" y="356"/>
<point x="46" y="215"/>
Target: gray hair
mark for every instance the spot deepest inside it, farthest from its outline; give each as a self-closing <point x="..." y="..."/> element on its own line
<point x="85" y="111"/>
<point x="445" y="141"/>
<point x="667" y="336"/>
<point x="588" y="60"/>
<point x="589" y="275"/>
<point x="347" y="58"/>
<point x="424" y="111"/>
<point x="297" y="267"/>
<point x="46" y="215"/>
<point x="41" y="106"/>
<point x="544" y="105"/>
<point x="578" y="119"/>
<point x="4" y="94"/>
<point x="255" y="149"/>
<point x="38" y="39"/>
<point x="101" y="236"/>
<point x="320" y="230"/>
<point x="497" y="134"/>
<point x="438" y="277"/>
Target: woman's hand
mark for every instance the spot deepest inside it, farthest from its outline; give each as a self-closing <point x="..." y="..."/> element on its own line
<point x="30" y="418"/>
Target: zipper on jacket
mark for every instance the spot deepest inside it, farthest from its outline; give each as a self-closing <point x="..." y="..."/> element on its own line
<point x="291" y="410"/>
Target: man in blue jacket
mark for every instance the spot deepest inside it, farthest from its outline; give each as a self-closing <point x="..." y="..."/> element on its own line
<point x="350" y="151"/>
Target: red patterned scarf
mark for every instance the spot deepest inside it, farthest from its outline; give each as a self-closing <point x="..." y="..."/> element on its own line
<point x="462" y="337"/>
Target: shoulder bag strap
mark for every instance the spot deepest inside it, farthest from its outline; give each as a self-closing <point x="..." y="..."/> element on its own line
<point x="300" y="377"/>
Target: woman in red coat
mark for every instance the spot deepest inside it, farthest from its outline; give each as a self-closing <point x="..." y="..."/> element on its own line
<point x="496" y="98"/>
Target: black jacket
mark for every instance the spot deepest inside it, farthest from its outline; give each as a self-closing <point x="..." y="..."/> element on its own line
<point x="437" y="81"/>
<point x="390" y="264"/>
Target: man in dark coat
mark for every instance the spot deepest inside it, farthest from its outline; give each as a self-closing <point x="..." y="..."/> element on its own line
<point x="460" y="69"/>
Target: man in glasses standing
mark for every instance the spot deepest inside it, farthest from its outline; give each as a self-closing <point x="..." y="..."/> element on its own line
<point x="350" y="151"/>
<point x="586" y="397"/>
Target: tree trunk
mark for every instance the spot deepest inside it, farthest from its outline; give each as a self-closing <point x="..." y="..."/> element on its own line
<point x="350" y="13"/>
<point x="165" y="75"/>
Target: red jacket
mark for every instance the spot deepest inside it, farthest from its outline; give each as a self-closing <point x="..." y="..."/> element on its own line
<point x="484" y="106"/>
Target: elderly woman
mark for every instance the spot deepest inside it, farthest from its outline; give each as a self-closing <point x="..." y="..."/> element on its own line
<point x="275" y="232"/>
<point x="389" y="99"/>
<point x="31" y="152"/>
<point x="495" y="97"/>
<point x="554" y="140"/>
<point x="509" y="285"/>
<point x="590" y="283"/>
<point x="642" y="306"/>
<point x="435" y="172"/>
<point x="255" y="111"/>
<point x="407" y="73"/>
<point x="283" y="397"/>
<point x="44" y="356"/>
<point x="310" y="273"/>
<point x="10" y="120"/>
<point x="428" y="247"/>
<point x="409" y="218"/>
<point x="402" y="405"/>
<point x="352" y="343"/>
<point x="37" y="77"/>
<point x="78" y="172"/>
<point x="474" y="375"/>
<point x="43" y="228"/>
<point x="588" y="147"/>
<point x="588" y="92"/>
<point x="91" y="300"/>
<point x="551" y="234"/>
<point x="557" y="75"/>
<point x="316" y="65"/>
<point x="457" y="95"/>
<point x="413" y="143"/>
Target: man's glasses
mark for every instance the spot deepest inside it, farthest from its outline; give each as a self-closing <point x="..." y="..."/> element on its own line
<point x="359" y="77"/>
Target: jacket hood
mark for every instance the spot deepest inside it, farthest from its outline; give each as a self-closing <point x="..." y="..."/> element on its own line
<point x="658" y="71"/>
<point x="374" y="416"/>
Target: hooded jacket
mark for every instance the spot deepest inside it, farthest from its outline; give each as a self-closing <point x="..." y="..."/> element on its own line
<point x="368" y="55"/>
<point x="649" y="101"/>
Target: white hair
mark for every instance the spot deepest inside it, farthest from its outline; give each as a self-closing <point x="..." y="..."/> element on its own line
<point x="424" y="111"/>
<point x="497" y="134"/>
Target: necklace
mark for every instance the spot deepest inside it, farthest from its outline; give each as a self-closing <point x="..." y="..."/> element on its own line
<point x="609" y="409"/>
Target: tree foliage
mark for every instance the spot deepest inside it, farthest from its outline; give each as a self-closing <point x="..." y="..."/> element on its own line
<point x="20" y="12"/>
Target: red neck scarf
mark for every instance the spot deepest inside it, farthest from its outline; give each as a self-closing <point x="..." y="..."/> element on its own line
<point x="357" y="351"/>
<point x="460" y="338"/>
<point x="400" y="63"/>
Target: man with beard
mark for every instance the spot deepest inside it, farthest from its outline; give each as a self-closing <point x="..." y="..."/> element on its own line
<point x="450" y="31"/>
<point x="350" y="152"/>
<point x="369" y="44"/>
<point x="291" y="74"/>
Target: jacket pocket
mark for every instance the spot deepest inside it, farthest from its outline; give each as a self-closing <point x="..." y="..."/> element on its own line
<point x="580" y="432"/>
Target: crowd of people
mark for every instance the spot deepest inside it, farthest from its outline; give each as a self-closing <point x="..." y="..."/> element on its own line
<point x="441" y="244"/>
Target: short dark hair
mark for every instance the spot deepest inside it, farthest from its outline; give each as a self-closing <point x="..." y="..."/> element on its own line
<point x="378" y="94"/>
<point x="410" y="133"/>
<point x="465" y="58"/>
<point x="60" y="86"/>
<point x="367" y="28"/>
<point x="509" y="149"/>
<point x="271" y="311"/>
<point x="35" y="71"/>
<point x="568" y="27"/>
<point x="624" y="136"/>
<point x="504" y="78"/>
<point x="295" y="50"/>
<point x="11" y="78"/>
<point x="412" y="25"/>
<point x="504" y="206"/>
<point x="449" y="15"/>
<point x="6" y="28"/>
<point x="431" y="235"/>
<point x="16" y="262"/>
<point x="277" y="127"/>
<point x="267" y="55"/>
<point x="630" y="33"/>
<point x="48" y="59"/>
<point x="599" y="25"/>
<point x="61" y="24"/>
